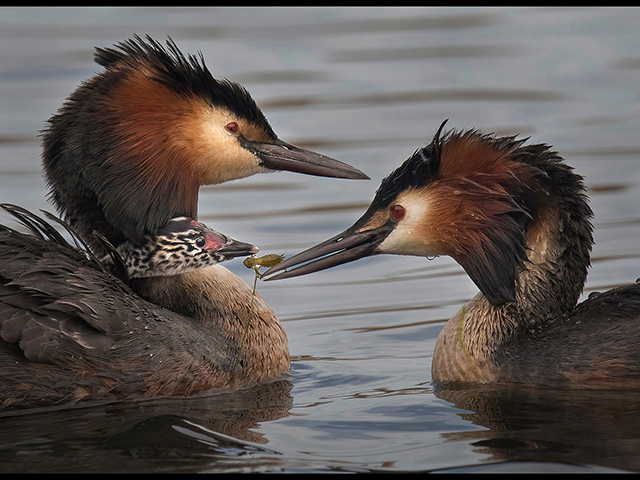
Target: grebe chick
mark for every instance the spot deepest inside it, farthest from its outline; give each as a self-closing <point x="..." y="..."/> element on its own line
<point x="131" y="146"/>
<point x="70" y="331"/>
<point x="181" y="245"/>
<point x="516" y="218"/>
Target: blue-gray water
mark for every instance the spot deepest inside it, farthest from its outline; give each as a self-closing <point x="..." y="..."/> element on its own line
<point x="367" y="86"/>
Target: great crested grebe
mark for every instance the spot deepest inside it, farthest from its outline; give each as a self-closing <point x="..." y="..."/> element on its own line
<point x="516" y="218"/>
<point x="125" y="154"/>
<point x="71" y="331"/>
<point x="132" y="145"/>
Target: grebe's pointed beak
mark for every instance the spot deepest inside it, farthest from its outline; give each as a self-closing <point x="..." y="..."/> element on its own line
<point x="233" y="248"/>
<point x="280" y="155"/>
<point x="348" y="246"/>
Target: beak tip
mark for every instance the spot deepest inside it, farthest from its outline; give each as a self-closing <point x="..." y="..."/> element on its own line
<point x="343" y="248"/>
<point x="361" y="176"/>
<point x="276" y="274"/>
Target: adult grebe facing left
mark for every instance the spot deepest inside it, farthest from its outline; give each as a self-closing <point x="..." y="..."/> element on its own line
<point x="516" y="218"/>
<point x="70" y="331"/>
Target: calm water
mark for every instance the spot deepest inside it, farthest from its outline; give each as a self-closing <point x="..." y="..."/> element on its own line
<point x="367" y="86"/>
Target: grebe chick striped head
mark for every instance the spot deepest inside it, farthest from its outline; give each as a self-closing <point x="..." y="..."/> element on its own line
<point x="180" y="246"/>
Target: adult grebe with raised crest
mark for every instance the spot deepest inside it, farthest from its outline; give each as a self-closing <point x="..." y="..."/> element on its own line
<point x="516" y="218"/>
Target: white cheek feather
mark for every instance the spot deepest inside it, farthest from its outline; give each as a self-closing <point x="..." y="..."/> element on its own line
<point x="408" y="238"/>
<point x="231" y="161"/>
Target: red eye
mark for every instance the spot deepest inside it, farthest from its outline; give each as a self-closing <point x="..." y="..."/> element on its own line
<point x="232" y="127"/>
<point x="398" y="212"/>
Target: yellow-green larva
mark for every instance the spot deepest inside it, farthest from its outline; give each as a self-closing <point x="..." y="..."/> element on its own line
<point x="269" y="260"/>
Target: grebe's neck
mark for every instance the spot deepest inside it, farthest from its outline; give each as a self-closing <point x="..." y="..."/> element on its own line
<point x="250" y="339"/>
<point x="547" y="286"/>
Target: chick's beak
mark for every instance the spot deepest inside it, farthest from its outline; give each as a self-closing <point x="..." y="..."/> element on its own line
<point x="237" y="249"/>
<point x="280" y="155"/>
<point x="227" y="248"/>
<point x="348" y="246"/>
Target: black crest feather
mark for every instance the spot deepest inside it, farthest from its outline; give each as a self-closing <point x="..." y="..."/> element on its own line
<point x="185" y="74"/>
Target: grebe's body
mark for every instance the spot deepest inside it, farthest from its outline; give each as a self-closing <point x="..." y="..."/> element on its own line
<point x="71" y="331"/>
<point x="516" y="218"/>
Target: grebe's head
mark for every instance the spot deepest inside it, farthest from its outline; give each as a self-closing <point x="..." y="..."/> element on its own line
<point x="181" y="245"/>
<point x="138" y="139"/>
<point x="467" y="195"/>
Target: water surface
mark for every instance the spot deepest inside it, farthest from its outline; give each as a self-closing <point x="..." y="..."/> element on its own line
<point x="367" y="86"/>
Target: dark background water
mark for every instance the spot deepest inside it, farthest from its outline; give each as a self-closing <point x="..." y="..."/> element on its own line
<point x="367" y="86"/>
